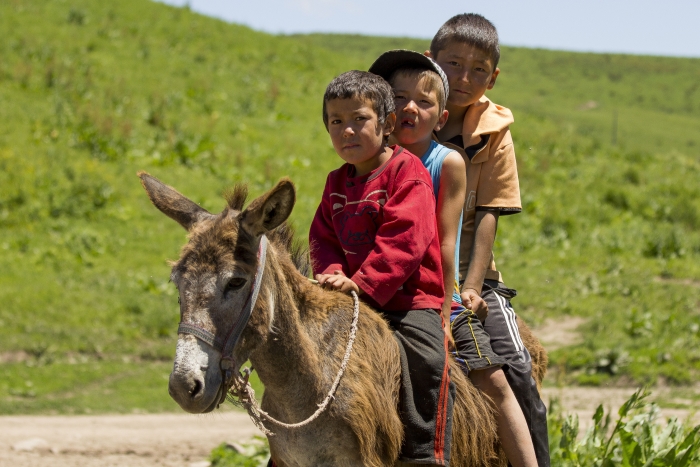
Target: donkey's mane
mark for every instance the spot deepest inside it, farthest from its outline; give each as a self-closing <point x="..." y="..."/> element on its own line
<point x="283" y="236"/>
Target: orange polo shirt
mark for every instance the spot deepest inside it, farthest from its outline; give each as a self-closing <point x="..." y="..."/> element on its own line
<point x="492" y="174"/>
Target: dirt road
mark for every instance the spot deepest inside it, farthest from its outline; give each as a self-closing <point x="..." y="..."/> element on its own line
<point x="172" y="440"/>
<point x="181" y="440"/>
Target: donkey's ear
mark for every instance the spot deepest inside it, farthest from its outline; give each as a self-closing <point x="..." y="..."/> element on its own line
<point x="270" y="210"/>
<point x="171" y="203"/>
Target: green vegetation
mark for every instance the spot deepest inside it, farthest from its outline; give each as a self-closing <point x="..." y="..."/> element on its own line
<point x="91" y="92"/>
<point x="255" y="453"/>
<point x="636" y="438"/>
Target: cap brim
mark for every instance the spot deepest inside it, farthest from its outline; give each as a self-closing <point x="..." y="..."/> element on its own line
<point x="388" y="62"/>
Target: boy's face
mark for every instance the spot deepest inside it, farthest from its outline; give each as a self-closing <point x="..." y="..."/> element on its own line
<point x="470" y="72"/>
<point x="417" y="109"/>
<point x="356" y="133"/>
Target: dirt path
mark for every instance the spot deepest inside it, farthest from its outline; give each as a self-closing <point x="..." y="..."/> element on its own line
<point x="172" y="440"/>
<point x="584" y="400"/>
<point x="181" y="440"/>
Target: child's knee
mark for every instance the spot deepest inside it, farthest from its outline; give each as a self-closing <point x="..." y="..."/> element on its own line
<point x="493" y="382"/>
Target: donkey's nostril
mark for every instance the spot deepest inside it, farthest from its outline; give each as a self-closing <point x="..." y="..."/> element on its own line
<point x="196" y="389"/>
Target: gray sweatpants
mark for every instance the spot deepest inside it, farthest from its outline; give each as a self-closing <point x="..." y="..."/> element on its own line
<point x="505" y="341"/>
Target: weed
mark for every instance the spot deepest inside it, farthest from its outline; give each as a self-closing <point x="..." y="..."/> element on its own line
<point x="636" y="439"/>
<point x="252" y="454"/>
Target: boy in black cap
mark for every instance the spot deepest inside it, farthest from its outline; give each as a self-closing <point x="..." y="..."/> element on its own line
<point x="420" y="92"/>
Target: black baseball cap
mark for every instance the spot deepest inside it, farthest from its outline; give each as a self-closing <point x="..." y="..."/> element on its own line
<point x="390" y="61"/>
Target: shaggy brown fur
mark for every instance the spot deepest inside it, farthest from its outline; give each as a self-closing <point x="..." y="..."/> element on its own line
<point x="540" y="360"/>
<point x="296" y="339"/>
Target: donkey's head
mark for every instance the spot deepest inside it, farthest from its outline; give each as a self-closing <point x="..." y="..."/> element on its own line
<point x="216" y="278"/>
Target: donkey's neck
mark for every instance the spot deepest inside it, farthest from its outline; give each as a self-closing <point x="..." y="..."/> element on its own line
<point x="288" y="360"/>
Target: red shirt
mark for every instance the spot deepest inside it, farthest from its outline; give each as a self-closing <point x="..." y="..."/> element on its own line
<point x="380" y="230"/>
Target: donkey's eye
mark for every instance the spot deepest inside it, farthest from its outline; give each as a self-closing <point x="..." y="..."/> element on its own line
<point x="234" y="284"/>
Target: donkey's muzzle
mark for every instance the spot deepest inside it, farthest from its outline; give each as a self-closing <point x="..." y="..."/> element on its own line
<point x="187" y="389"/>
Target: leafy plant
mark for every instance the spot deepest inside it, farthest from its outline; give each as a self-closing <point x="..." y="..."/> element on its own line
<point x="254" y="453"/>
<point x="635" y="440"/>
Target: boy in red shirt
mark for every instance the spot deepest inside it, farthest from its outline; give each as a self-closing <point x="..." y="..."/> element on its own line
<point x="370" y="235"/>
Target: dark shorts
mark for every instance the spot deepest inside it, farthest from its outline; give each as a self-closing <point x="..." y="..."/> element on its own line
<point x="472" y="343"/>
<point x="427" y="394"/>
<point x="503" y="331"/>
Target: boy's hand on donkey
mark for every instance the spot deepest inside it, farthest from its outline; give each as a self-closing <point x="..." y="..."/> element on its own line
<point x="473" y="301"/>
<point x="338" y="281"/>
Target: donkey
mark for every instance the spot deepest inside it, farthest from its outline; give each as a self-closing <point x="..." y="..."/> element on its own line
<point x="295" y="337"/>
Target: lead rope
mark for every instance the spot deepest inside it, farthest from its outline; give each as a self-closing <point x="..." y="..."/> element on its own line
<point x="242" y="389"/>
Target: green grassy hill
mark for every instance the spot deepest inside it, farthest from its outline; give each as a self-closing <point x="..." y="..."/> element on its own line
<point x="91" y="92"/>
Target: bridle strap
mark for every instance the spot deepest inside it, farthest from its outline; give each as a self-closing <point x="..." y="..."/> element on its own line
<point x="243" y="318"/>
<point x="201" y="334"/>
<point x="226" y="347"/>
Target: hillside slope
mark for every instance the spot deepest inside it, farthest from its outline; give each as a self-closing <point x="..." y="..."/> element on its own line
<point x="91" y="92"/>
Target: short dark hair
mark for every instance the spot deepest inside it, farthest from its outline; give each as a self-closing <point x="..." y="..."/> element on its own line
<point x="468" y="28"/>
<point x="365" y="85"/>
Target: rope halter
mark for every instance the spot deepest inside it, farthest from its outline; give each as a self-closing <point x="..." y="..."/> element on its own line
<point x="246" y="396"/>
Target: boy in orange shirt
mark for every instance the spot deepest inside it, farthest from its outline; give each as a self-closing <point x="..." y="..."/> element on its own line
<point x="466" y="48"/>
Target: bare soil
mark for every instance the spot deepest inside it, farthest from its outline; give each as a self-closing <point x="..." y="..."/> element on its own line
<point x="182" y="440"/>
<point x="583" y="401"/>
<point x="172" y="440"/>
<point x="560" y="332"/>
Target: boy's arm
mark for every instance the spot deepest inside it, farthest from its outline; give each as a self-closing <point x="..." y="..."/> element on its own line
<point x="485" y="225"/>
<point x="453" y="185"/>
<point x="327" y="255"/>
<point x="401" y="241"/>
<point x="498" y="194"/>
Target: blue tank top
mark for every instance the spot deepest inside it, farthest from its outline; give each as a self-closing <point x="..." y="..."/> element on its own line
<point x="432" y="160"/>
